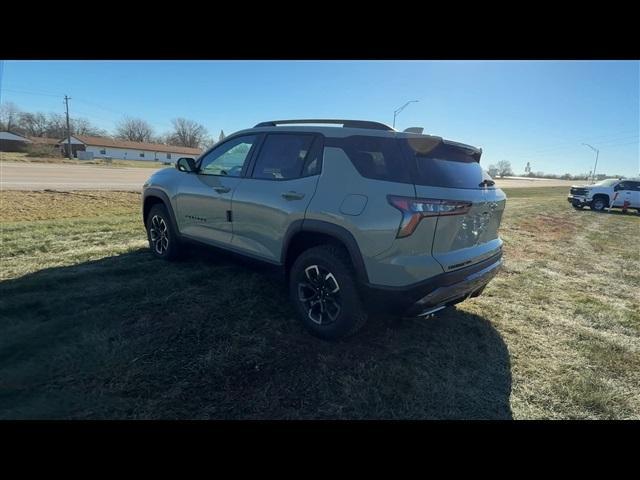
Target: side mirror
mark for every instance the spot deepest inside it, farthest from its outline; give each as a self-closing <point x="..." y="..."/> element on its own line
<point x="186" y="164"/>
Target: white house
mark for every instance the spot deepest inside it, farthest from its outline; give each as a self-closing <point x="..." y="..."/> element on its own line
<point x="105" y="147"/>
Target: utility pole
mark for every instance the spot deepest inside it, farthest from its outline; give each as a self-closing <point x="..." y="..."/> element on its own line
<point x="66" y="102"/>
<point x="593" y="178"/>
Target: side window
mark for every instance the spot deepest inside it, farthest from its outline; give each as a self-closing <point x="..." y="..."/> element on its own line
<point x="376" y="157"/>
<point x="229" y="158"/>
<point x="282" y="156"/>
<point x="635" y="186"/>
<point x="623" y="186"/>
<point x="313" y="163"/>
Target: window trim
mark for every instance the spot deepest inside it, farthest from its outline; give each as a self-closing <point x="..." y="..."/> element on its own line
<point x="258" y="141"/>
<point x="317" y="142"/>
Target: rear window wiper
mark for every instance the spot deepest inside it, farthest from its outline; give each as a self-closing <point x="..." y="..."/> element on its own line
<point x="487" y="182"/>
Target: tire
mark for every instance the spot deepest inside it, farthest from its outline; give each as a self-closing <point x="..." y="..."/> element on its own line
<point x="324" y="292"/>
<point x="599" y="204"/>
<point x="162" y="238"/>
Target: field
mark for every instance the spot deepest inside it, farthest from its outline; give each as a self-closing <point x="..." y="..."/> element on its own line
<point x="24" y="158"/>
<point x="91" y="326"/>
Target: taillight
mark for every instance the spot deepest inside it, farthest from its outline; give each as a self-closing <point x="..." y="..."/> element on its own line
<point x="415" y="209"/>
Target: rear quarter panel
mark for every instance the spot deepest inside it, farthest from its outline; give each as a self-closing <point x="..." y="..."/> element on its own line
<point x="375" y="227"/>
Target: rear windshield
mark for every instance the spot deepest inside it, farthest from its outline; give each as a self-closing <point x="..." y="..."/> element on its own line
<point x="441" y="165"/>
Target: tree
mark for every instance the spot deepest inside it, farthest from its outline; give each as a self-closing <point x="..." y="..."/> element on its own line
<point x="492" y="171"/>
<point x="187" y="133"/>
<point x="33" y="124"/>
<point x="82" y="126"/>
<point x="56" y="126"/>
<point x="9" y="116"/>
<point x="207" y="143"/>
<point x="221" y="137"/>
<point x="504" y="168"/>
<point x="527" y="169"/>
<point x="134" y="129"/>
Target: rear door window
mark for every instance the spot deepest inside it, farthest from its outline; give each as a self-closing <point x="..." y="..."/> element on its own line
<point x="282" y="156"/>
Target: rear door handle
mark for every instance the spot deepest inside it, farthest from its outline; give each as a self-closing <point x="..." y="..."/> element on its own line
<point x="222" y="189"/>
<point x="293" y="196"/>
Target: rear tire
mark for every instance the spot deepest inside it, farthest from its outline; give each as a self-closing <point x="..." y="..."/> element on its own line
<point x="323" y="290"/>
<point x="162" y="238"/>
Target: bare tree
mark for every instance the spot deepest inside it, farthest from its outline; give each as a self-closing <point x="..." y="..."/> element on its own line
<point x="82" y="126"/>
<point x="56" y="126"/>
<point x="492" y="171"/>
<point x="504" y="168"/>
<point x="187" y="133"/>
<point x="134" y="129"/>
<point x="34" y="124"/>
<point x="208" y="142"/>
<point x="9" y="117"/>
<point x="221" y="137"/>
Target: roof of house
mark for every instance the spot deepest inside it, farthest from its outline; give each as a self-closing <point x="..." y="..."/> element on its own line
<point x="44" y="140"/>
<point x="13" y="136"/>
<point x="152" y="147"/>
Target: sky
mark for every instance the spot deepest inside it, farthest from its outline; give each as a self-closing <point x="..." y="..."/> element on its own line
<point x="521" y="111"/>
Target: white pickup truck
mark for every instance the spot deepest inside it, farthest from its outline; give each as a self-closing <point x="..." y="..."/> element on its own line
<point x="612" y="192"/>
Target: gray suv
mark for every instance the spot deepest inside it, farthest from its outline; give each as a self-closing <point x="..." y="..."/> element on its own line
<point x="362" y="218"/>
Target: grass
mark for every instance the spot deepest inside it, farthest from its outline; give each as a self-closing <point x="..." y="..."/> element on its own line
<point x="91" y="326"/>
<point x="25" y="158"/>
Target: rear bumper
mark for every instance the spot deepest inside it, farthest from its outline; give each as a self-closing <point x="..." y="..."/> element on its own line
<point x="442" y="290"/>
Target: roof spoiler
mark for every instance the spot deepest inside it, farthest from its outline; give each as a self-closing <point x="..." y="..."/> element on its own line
<point x="418" y="130"/>
<point x="474" y="152"/>
<point x="345" y="123"/>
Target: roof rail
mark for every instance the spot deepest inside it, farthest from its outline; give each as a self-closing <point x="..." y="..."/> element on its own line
<point x="344" y="123"/>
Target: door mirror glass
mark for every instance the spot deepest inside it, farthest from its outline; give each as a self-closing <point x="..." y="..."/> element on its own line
<point x="186" y="164"/>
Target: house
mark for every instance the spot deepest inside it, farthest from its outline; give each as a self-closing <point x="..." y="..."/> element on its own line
<point x="12" y="142"/>
<point x="105" y="147"/>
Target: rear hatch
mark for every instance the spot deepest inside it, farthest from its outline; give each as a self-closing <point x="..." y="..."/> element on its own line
<point x="451" y="172"/>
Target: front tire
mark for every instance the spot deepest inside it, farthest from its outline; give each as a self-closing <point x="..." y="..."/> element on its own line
<point x="163" y="240"/>
<point x="323" y="289"/>
<point x="599" y="204"/>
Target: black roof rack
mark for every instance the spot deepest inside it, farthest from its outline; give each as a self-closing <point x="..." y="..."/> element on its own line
<point x="344" y="123"/>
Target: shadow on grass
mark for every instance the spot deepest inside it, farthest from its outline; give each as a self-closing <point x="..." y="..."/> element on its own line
<point x="215" y="337"/>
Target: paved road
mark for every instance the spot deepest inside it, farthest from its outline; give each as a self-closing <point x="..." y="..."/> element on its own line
<point x="43" y="176"/>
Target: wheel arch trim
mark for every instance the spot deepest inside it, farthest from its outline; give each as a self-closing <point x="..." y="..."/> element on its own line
<point x="164" y="198"/>
<point x="339" y="233"/>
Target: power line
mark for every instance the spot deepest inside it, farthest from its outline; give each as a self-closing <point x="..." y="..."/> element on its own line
<point x="30" y="93"/>
<point x="554" y="152"/>
<point x="566" y="145"/>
